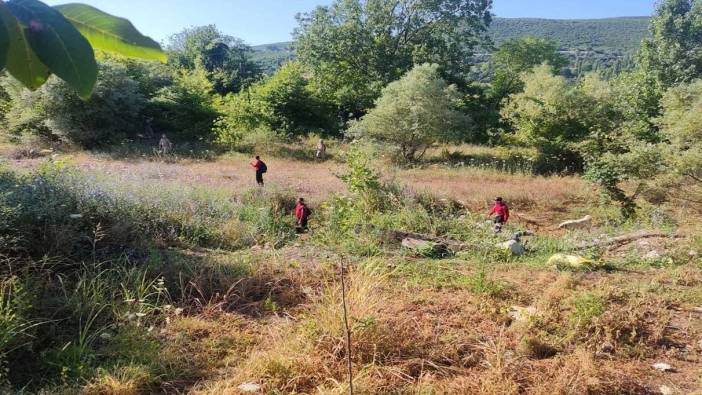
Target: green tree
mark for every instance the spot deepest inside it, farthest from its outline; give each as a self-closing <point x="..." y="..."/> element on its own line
<point x="185" y="107"/>
<point x="543" y="117"/>
<point x="673" y="52"/>
<point x="619" y="144"/>
<point x="517" y="56"/>
<point x="113" y="111"/>
<point x="282" y="103"/>
<point x="226" y="59"/>
<point x="681" y="126"/>
<point x="358" y="46"/>
<point x="413" y="113"/>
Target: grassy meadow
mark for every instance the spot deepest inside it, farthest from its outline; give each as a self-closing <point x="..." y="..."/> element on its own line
<point x="132" y="273"/>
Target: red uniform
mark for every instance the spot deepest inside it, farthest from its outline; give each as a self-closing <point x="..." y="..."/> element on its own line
<point x="501" y="210"/>
<point x="256" y="165"/>
<point x="302" y="213"/>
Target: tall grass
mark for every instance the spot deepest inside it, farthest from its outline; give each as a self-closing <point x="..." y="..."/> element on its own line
<point x="77" y="272"/>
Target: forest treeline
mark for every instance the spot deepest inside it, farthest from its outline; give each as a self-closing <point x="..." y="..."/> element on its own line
<point x="605" y="45"/>
<point x="403" y="74"/>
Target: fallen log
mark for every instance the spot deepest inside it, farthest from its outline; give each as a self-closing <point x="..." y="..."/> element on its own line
<point x="624" y="239"/>
<point x="424" y="247"/>
<point x="399" y="236"/>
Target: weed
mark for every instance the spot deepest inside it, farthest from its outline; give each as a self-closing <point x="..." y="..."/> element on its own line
<point x="586" y="307"/>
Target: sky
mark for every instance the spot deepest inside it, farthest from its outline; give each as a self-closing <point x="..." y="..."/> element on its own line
<point x="269" y="21"/>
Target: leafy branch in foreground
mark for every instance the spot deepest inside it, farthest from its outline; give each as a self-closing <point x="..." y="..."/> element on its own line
<point x="37" y="40"/>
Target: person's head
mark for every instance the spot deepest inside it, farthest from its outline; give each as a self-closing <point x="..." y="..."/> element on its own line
<point x="258" y="157"/>
<point x="498" y="200"/>
<point x="163" y="136"/>
<point x="301" y="200"/>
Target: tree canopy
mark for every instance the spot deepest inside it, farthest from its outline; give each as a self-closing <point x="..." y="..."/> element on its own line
<point x="367" y="44"/>
<point x="673" y="52"/>
<point x="414" y="112"/>
<point x="226" y="59"/>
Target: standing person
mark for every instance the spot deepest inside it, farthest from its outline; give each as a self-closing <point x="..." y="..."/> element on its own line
<point x="164" y="145"/>
<point x="501" y="213"/>
<point x="148" y="128"/>
<point x="260" y="168"/>
<point x="302" y="213"/>
<point x="321" y="150"/>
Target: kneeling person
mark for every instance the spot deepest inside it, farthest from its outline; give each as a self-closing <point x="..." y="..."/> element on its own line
<point x="302" y="213"/>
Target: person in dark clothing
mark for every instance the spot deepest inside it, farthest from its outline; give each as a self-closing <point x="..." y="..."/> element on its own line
<point x="501" y="213"/>
<point x="302" y="213"/>
<point x="260" y="168"/>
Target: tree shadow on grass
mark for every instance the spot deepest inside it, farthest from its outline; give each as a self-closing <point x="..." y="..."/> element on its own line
<point x="231" y="283"/>
<point x="513" y="164"/>
<point x="141" y="150"/>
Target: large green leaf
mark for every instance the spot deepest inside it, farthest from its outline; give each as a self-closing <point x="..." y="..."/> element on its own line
<point x="22" y="63"/>
<point x="58" y="44"/>
<point x="110" y="33"/>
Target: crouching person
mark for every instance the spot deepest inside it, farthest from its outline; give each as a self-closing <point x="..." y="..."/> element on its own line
<point x="501" y="213"/>
<point x="302" y="213"/>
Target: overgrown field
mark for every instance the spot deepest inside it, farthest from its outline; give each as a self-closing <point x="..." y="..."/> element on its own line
<point x="143" y="275"/>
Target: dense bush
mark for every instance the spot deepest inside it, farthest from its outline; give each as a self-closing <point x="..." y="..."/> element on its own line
<point x="186" y="108"/>
<point x="283" y="103"/>
<point x="112" y="113"/>
<point x="672" y="52"/>
<point x="413" y="113"/>
<point x="681" y="126"/>
<point x="544" y="116"/>
<point x="226" y="60"/>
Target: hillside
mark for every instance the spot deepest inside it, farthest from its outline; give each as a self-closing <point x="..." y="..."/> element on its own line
<point x="589" y="43"/>
<point x="624" y="34"/>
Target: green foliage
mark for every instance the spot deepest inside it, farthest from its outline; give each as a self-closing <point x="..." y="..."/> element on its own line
<point x="608" y="34"/>
<point x="185" y="107"/>
<point x="283" y="103"/>
<point x="682" y="128"/>
<point x="515" y="57"/>
<point x="57" y="44"/>
<point x="672" y="52"/>
<point x="356" y="47"/>
<point x="271" y="56"/>
<point x="109" y="115"/>
<point x="21" y="61"/>
<point x="544" y="117"/>
<point x="413" y="113"/>
<point x="227" y="60"/>
<point x="110" y="33"/>
<point x="586" y="307"/>
<point x="15" y="307"/>
<point x="36" y="39"/>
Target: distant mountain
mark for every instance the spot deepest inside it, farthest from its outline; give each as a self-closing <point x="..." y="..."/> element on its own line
<point x="624" y="34"/>
<point x="589" y="43"/>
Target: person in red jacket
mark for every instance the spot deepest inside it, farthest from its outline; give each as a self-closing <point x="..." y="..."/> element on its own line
<point x="302" y="213"/>
<point x="260" y="168"/>
<point x="501" y="213"/>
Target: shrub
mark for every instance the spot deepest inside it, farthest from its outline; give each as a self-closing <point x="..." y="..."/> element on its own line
<point x="282" y="103"/>
<point x="185" y="108"/>
<point x="543" y="117"/>
<point x="682" y="128"/>
<point x="112" y="113"/>
<point x="413" y="113"/>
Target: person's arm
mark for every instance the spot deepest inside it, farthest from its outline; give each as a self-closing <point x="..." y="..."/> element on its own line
<point x="506" y="213"/>
<point x="493" y="210"/>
